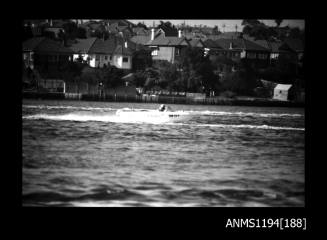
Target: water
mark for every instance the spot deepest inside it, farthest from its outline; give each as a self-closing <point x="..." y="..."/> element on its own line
<point x="78" y="153"/>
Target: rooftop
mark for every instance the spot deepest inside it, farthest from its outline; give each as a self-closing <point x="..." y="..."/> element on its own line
<point x="82" y="45"/>
<point x="46" y="46"/>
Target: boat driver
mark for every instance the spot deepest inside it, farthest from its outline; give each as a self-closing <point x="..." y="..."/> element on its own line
<point x="162" y="108"/>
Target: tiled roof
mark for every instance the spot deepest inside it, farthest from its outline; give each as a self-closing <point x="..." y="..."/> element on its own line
<point x="82" y="45"/>
<point x="112" y="46"/>
<point x="225" y="43"/>
<point x="167" y="41"/>
<point x="45" y="46"/>
<point x="32" y="43"/>
<point x="263" y="43"/>
<point x="103" y="46"/>
<point x="237" y="43"/>
<point x="120" y="49"/>
<point x="249" y="45"/>
<point x="196" y="42"/>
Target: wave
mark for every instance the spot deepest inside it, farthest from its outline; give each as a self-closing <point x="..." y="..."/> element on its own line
<point x="192" y="112"/>
<point x="242" y="126"/>
<point x="68" y="107"/>
<point x="119" y="119"/>
<point x="244" y="114"/>
<point x="128" y="197"/>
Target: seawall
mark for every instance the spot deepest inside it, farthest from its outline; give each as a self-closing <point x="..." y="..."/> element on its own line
<point x="165" y="99"/>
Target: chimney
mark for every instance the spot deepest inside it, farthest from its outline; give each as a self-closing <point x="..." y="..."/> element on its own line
<point x="179" y="33"/>
<point x="152" y="34"/>
<point x="231" y="45"/>
<point x="50" y="22"/>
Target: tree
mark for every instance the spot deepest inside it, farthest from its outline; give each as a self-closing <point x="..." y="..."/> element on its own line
<point x="142" y="25"/>
<point x="250" y="22"/>
<point x="198" y="69"/>
<point x="215" y="30"/>
<point x="165" y="25"/>
<point x="81" y="33"/>
<point x="278" y="22"/>
<point x="140" y="78"/>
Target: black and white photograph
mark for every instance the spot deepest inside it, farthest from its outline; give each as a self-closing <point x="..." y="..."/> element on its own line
<point x="163" y="113"/>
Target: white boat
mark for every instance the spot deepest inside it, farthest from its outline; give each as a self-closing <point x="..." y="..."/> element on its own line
<point x="149" y="115"/>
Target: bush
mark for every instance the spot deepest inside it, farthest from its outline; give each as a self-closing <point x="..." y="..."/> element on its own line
<point x="228" y="94"/>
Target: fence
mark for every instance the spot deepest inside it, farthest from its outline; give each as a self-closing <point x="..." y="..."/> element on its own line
<point x="52" y="85"/>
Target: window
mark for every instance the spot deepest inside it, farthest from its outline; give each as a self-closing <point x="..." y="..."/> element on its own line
<point x="154" y="53"/>
<point x="97" y="57"/>
<point x="251" y="55"/>
<point x="52" y="58"/>
<point x="106" y="58"/>
<point x="177" y="51"/>
<point x="125" y="59"/>
<point x="236" y="54"/>
<point x="110" y="58"/>
<point x="262" y="56"/>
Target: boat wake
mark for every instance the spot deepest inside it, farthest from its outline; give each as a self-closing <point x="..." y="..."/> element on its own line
<point x="189" y="112"/>
<point x="83" y="117"/>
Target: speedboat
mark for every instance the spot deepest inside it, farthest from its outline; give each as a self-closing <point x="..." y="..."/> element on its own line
<point x="149" y="115"/>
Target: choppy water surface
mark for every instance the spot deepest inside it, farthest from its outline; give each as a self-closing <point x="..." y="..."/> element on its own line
<point x="78" y="153"/>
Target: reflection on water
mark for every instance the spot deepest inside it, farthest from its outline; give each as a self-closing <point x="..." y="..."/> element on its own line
<point x="82" y="154"/>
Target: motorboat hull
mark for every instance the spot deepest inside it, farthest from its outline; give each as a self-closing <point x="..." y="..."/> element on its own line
<point x="145" y="115"/>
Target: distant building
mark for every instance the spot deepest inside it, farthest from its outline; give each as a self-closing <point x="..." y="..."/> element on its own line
<point x="166" y="48"/>
<point x="114" y="51"/>
<point x="45" y="53"/>
<point x="283" y="92"/>
<point x="237" y="49"/>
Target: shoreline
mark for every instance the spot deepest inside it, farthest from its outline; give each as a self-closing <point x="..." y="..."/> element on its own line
<point x="237" y="101"/>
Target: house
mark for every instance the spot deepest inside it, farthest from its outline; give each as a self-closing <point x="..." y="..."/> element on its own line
<point x="116" y="29"/>
<point x="237" y="49"/>
<point x="100" y="53"/>
<point x="81" y="48"/>
<point x="273" y="46"/>
<point x="45" y="53"/>
<point x="141" y="39"/>
<point x="110" y="51"/>
<point x="114" y="51"/>
<point x="274" y="50"/>
<point x="166" y="48"/>
<point x="283" y="92"/>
